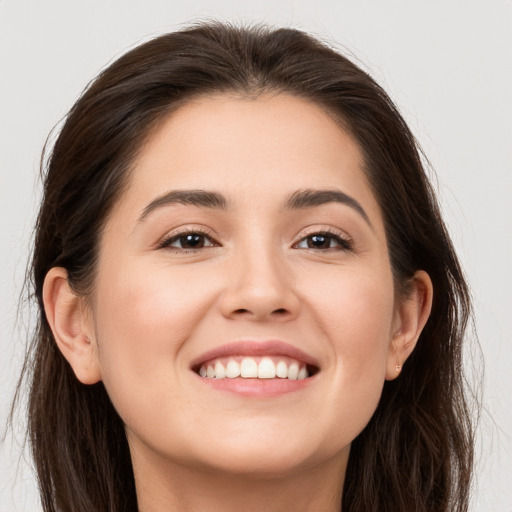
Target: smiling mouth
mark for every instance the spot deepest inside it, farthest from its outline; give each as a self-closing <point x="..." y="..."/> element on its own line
<point x="264" y="368"/>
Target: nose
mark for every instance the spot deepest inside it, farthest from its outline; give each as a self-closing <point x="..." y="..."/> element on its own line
<point x="259" y="287"/>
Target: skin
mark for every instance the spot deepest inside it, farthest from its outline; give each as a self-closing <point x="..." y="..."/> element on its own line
<point x="155" y="309"/>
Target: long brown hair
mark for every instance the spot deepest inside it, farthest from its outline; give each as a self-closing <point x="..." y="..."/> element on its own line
<point x="416" y="452"/>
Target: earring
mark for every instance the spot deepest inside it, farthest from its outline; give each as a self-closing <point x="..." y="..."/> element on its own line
<point x="398" y="366"/>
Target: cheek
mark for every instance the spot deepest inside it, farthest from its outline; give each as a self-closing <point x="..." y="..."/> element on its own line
<point x="355" y="310"/>
<point x="143" y="319"/>
<point x="354" y="313"/>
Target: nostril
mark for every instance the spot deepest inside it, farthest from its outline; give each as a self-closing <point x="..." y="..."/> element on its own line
<point x="280" y="311"/>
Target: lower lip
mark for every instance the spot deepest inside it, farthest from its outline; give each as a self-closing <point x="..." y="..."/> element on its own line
<point x="261" y="388"/>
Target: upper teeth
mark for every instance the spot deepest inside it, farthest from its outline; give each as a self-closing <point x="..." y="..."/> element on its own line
<point x="248" y="367"/>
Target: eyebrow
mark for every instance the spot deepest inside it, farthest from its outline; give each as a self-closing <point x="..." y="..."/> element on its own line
<point x="300" y="199"/>
<point x="308" y="198"/>
<point x="201" y="198"/>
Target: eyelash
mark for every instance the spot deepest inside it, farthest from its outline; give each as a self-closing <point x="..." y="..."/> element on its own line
<point x="166" y="242"/>
<point x="343" y="242"/>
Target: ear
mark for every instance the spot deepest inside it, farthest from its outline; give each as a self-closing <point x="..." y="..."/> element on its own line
<point x="410" y="318"/>
<point x="70" y="323"/>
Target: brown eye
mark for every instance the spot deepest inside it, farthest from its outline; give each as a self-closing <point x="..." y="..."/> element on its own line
<point x="188" y="241"/>
<point x="319" y="241"/>
<point x="191" y="241"/>
<point x="324" y="241"/>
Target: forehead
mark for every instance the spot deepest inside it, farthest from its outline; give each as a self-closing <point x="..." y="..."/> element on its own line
<point x="248" y="148"/>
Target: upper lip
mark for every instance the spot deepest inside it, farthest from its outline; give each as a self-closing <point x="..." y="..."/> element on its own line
<point x="256" y="348"/>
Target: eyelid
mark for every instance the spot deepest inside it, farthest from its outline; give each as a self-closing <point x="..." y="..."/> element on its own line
<point x="184" y="230"/>
<point x="326" y="230"/>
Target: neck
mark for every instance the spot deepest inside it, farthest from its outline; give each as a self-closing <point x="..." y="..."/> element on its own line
<point x="170" y="487"/>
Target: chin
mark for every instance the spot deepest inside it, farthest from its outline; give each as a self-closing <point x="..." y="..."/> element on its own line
<point x="262" y="465"/>
<point x="263" y="456"/>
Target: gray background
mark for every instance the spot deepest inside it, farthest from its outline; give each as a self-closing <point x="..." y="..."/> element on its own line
<point x="447" y="65"/>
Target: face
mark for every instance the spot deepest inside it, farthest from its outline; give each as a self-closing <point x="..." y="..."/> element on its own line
<point x="248" y="240"/>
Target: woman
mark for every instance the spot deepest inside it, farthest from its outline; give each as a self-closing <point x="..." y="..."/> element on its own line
<point x="248" y="298"/>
